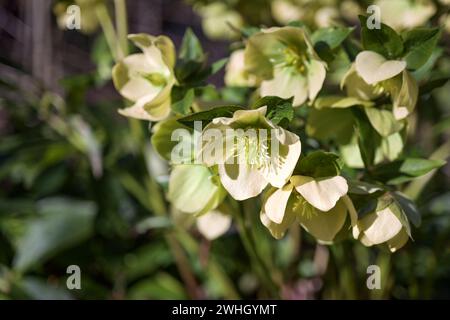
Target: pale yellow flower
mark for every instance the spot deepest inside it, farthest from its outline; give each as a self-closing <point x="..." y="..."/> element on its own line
<point x="315" y="203"/>
<point x="405" y="14"/>
<point x="218" y="21"/>
<point x="286" y="62"/>
<point x="383" y="225"/>
<point x="372" y="76"/>
<point x="147" y="78"/>
<point x="248" y="163"/>
<point x="235" y="72"/>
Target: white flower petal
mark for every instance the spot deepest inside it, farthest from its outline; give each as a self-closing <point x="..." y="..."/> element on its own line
<point x="381" y="226"/>
<point x="278" y="229"/>
<point x="241" y="181"/>
<point x="283" y="163"/>
<point x="275" y="205"/>
<point x="406" y="98"/>
<point x="316" y="77"/>
<point x="373" y="67"/>
<point x="286" y="83"/>
<point x="321" y="193"/>
<point x="325" y="225"/>
<point x="213" y="224"/>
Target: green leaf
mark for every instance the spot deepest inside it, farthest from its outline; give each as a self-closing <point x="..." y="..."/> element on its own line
<point x="332" y="36"/>
<point x="419" y="45"/>
<point x="324" y="51"/>
<point x="320" y="164"/>
<point x="331" y="124"/>
<point x="62" y="224"/>
<point x="368" y="139"/>
<point x="219" y="64"/>
<point x="279" y="110"/>
<point x="409" y="208"/>
<point x="403" y="170"/>
<point x="362" y="188"/>
<point x="340" y="102"/>
<point x="383" y="121"/>
<point x="384" y="41"/>
<point x="249" y="31"/>
<point x="191" y="48"/>
<point x="208" y="115"/>
<point x="182" y="99"/>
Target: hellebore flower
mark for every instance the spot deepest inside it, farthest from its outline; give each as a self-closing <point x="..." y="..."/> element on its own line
<point x="315" y="203"/>
<point x="217" y="19"/>
<point x="147" y="78"/>
<point x="236" y="74"/>
<point x="405" y="14"/>
<point x="250" y="152"/>
<point x="194" y="189"/>
<point x="372" y="76"/>
<point x="386" y="224"/>
<point x="285" y="11"/>
<point x="285" y="60"/>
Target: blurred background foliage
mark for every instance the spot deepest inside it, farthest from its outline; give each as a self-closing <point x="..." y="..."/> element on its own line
<point x="81" y="185"/>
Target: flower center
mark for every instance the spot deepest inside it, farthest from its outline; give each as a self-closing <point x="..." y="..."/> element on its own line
<point x="254" y="148"/>
<point x="156" y="79"/>
<point x="293" y="58"/>
<point x="302" y="207"/>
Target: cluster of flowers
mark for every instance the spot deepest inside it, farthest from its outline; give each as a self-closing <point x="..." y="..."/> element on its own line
<point x="279" y="61"/>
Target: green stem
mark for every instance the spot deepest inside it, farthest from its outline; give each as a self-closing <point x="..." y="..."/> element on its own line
<point x="108" y="29"/>
<point x="250" y="247"/>
<point x="122" y="26"/>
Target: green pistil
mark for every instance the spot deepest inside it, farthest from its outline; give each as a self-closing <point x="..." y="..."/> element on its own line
<point x="155" y="78"/>
<point x="295" y="59"/>
<point x="302" y="207"/>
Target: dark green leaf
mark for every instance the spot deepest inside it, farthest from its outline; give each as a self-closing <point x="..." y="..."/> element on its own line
<point x="331" y="124"/>
<point x="409" y="208"/>
<point x="419" y="45"/>
<point x="279" y="110"/>
<point x="182" y="99"/>
<point x="191" y="48"/>
<point x="332" y="36"/>
<point x="207" y="116"/>
<point x="400" y="171"/>
<point x="368" y="138"/>
<point x="319" y="164"/>
<point x="384" y="41"/>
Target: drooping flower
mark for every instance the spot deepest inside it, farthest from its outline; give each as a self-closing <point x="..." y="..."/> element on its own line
<point x="218" y="21"/>
<point x="250" y="152"/>
<point x="194" y="189"/>
<point x="236" y="74"/>
<point x="405" y="14"/>
<point x="285" y="11"/>
<point x="147" y="78"/>
<point x="316" y="203"/>
<point x="372" y="76"/>
<point x="286" y="62"/>
<point x="386" y="224"/>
